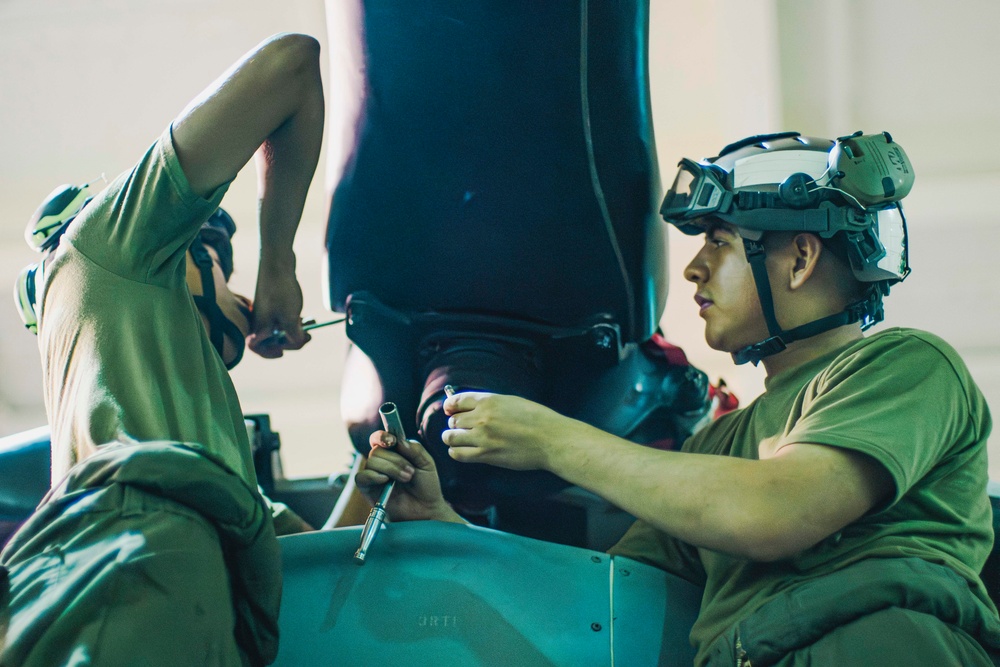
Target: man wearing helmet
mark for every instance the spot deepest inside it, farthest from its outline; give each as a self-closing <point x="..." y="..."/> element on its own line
<point x="155" y="546"/>
<point x="839" y="519"/>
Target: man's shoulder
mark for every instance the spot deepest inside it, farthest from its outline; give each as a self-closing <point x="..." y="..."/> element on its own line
<point x="904" y="333"/>
<point x="905" y="353"/>
<point x="904" y="341"/>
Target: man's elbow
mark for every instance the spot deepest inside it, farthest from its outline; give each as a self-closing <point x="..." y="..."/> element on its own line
<point x="767" y="541"/>
<point x="294" y="53"/>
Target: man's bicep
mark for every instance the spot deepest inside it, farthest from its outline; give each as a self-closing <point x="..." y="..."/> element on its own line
<point x="833" y="486"/>
<point x="899" y="399"/>
<point x="222" y="128"/>
<point x="211" y="142"/>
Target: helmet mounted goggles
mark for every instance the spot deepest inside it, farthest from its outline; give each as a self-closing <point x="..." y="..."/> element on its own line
<point x="699" y="189"/>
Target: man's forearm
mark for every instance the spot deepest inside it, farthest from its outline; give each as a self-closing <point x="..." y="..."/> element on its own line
<point x="747" y="508"/>
<point x="689" y="496"/>
<point x="286" y="162"/>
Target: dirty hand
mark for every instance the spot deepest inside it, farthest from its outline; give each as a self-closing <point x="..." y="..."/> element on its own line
<point x="417" y="495"/>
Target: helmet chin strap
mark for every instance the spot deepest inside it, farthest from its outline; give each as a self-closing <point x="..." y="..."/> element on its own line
<point x="219" y="326"/>
<point x="868" y="311"/>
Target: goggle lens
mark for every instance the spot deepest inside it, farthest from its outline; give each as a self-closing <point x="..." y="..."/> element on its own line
<point x="694" y="193"/>
<point x="891" y="231"/>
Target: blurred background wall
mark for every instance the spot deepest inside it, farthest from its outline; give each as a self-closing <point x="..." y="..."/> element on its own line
<point x="85" y="86"/>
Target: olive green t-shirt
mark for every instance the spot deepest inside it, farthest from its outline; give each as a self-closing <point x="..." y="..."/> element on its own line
<point x="904" y="398"/>
<point x="124" y="351"/>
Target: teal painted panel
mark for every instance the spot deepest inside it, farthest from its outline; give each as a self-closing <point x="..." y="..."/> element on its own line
<point x="646" y="599"/>
<point x="445" y="595"/>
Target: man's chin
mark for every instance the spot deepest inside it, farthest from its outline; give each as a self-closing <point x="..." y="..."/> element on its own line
<point x="727" y="344"/>
<point x="717" y="346"/>
<point x="715" y="339"/>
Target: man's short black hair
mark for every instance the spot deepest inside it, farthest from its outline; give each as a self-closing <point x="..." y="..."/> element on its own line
<point x="217" y="233"/>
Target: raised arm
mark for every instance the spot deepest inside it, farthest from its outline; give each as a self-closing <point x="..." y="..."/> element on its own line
<point x="269" y="104"/>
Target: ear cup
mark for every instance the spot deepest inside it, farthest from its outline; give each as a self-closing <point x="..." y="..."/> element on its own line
<point x="24" y="297"/>
<point x="872" y="168"/>
<point x="799" y="191"/>
<point x="55" y="212"/>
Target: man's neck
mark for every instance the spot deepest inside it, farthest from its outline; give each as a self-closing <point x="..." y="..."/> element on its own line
<point x="804" y="351"/>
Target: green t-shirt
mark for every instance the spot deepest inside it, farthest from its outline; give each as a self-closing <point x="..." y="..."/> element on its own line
<point x="903" y="397"/>
<point x="124" y="352"/>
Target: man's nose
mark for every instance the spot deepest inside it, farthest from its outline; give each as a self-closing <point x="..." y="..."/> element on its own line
<point x="696" y="271"/>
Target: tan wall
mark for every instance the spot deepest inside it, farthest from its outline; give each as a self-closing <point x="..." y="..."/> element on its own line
<point x="84" y="87"/>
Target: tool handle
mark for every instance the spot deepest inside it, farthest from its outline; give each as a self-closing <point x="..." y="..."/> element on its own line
<point x="393" y="424"/>
<point x="391" y="421"/>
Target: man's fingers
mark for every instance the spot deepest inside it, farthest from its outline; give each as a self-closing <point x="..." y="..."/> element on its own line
<point x="415" y="453"/>
<point x="367" y="478"/>
<point x="466" y="454"/>
<point x="271" y="341"/>
<point x="390" y="464"/>
<point x="382" y="439"/>
<point x="464" y="421"/>
<point x="411" y="450"/>
<point x="457" y="437"/>
<point x="295" y="339"/>
<point x="463" y="402"/>
<point x="264" y="345"/>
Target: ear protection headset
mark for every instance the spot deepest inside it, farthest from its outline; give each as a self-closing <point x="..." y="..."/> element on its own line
<point x="50" y="220"/>
<point x="45" y="228"/>
<point x="872" y="173"/>
<point x="24" y="296"/>
<point x="871" y="170"/>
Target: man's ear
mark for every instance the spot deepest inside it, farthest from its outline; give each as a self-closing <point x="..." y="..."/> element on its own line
<point x="807" y="249"/>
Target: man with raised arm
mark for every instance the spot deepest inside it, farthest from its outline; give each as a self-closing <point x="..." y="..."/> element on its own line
<point x="154" y="546"/>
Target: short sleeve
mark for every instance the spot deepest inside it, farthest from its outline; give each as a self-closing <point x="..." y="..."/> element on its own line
<point x="140" y="226"/>
<point x="904" y="400"/>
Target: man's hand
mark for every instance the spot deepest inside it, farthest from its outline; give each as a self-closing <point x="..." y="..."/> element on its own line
<point x="505" y="431"/>
<point x="269" y="106"/>
<point x="277" y="308"/>
<point x="417" y="495"/>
